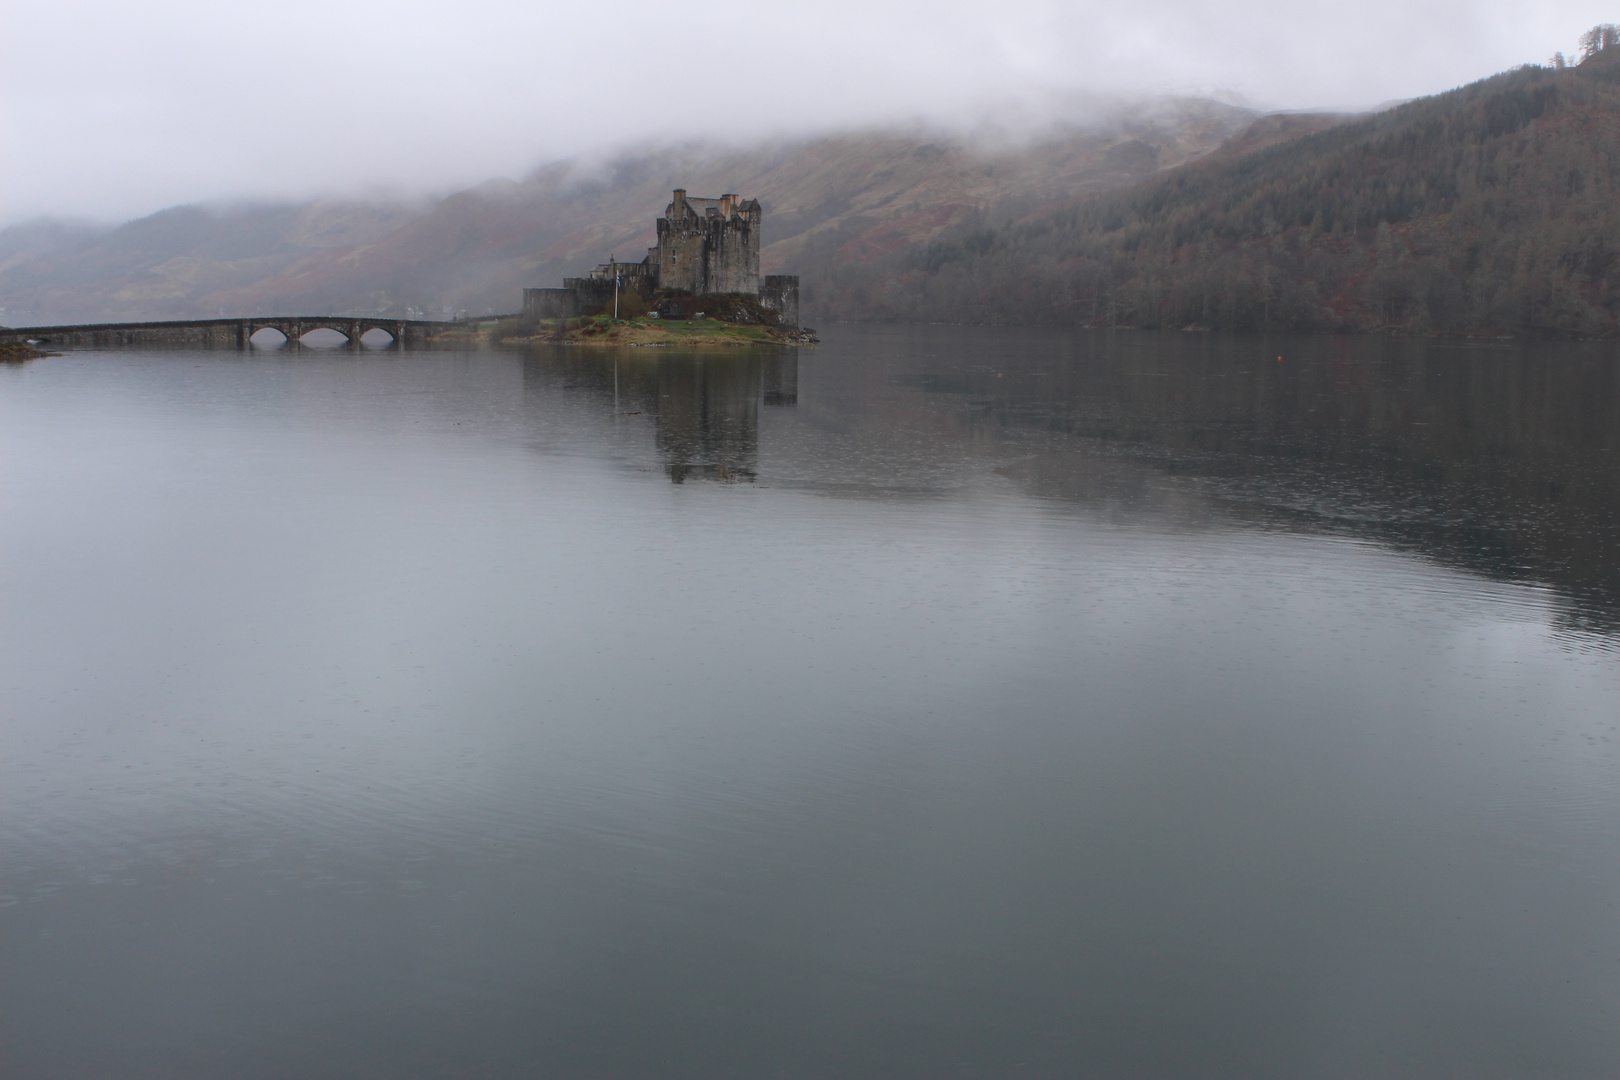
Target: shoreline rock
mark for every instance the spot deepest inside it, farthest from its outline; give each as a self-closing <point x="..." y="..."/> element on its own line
<point x="21" y="353"/>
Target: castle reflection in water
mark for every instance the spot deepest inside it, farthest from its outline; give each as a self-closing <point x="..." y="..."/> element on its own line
<point x="704" y="406"/>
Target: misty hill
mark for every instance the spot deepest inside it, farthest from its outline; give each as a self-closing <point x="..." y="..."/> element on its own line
<point x="1488" y="209"/>
<point x="854" y="198"/>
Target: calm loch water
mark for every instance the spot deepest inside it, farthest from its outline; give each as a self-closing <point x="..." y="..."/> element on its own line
<point x="933" y="703"/>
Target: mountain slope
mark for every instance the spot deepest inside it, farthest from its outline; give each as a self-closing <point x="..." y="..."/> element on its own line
<point x="850" y="198"/>
<point x="1489" y="209"/>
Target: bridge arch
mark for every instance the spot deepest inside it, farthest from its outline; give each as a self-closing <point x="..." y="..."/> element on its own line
<point x="266" y="336"/>
<point x="394" y="328"/>
<point x="344" y="327"/>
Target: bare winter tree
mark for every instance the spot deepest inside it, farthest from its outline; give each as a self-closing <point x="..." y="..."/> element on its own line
<point x="1600" y="37"/>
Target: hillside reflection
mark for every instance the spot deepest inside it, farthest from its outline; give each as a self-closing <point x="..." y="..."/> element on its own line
<point x="1493" y="459"/>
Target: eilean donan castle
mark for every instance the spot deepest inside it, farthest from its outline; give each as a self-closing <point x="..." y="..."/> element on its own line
<point x="704" y="246"/>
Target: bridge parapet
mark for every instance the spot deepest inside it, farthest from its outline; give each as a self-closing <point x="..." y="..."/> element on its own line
<point x="227" y="333"/>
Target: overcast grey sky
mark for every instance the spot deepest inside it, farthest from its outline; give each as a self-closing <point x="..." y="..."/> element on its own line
<point x="114" y="109"/>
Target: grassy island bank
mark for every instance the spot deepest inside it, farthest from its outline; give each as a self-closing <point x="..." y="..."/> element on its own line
<point x="643" y="331"/>
<point x="606" y="330"/>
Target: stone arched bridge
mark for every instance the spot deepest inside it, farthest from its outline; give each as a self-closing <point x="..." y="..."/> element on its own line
<point x="230" y="333"/>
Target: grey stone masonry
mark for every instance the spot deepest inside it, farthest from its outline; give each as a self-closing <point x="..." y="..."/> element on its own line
<point x="779" y="293"/>
<point x="224" y="333"/>
<point x="709" y="245"/>
<point x="550" y="303"/>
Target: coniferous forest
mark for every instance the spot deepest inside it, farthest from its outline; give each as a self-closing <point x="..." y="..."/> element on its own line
<point x="1490" y="209"/>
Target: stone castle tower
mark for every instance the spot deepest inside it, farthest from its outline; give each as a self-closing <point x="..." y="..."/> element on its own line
<point x="709" y="245"/>
<point x="704" y="246"/>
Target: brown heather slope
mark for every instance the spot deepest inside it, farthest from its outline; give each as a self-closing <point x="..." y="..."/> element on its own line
<point x="844" y="199"/>
<point x="178" y="263"/>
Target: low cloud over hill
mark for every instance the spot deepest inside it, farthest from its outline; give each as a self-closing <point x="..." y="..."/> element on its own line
<point x="1491" y="209"/>
<point x="849" y="199"/>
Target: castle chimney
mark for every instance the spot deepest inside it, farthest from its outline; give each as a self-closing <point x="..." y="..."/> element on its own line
<point x="678" y="209"/>
<point x="725" y="205"/>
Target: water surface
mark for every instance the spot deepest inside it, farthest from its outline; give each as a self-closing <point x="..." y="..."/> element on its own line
<point x="935" y="703"/>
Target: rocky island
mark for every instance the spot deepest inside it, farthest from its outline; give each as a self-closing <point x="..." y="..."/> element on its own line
<point x="699" y="286"/>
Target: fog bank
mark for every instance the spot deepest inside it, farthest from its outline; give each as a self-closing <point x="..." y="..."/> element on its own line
<point x="119" y="110"/>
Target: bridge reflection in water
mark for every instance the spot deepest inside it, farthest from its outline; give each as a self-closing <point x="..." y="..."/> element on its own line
<point x="228" y="333"/>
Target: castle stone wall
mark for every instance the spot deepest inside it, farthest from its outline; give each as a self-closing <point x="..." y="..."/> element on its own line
<point x="550" y="303"/>
<point x="591" y="294"/>
<point x="733" y="257"/>
<point x="682" y="256"/>
<point x="779" y="293"/>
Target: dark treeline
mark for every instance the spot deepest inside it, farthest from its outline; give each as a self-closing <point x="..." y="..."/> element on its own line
<point x="1490" y="209"/>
